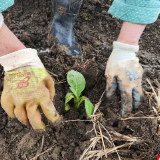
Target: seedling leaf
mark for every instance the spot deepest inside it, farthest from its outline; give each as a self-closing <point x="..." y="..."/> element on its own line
<point x="89" y="107"/>
<point x="81" y="100"/>
<point x="76" y="81"/>
<point x="67" y="107"/>
<point x="74" y="91"/>
<point x="68" y="97"/>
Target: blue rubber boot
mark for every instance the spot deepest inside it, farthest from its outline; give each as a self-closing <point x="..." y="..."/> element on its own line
<point x="65" y="14"/>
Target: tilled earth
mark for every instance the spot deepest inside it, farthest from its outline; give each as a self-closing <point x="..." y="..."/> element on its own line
<point x="95" y="31"/>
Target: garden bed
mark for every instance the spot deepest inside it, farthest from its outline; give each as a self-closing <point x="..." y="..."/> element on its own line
<point x="95" y="30"/>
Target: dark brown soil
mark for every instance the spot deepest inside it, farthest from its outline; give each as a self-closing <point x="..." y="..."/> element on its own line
<point x="95" y="30"/>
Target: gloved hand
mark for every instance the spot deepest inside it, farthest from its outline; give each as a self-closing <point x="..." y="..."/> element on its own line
<point x="124" y="71"/>
<point x="27" y="85"/>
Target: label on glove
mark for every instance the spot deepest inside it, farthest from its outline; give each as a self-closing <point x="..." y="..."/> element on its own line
<point x="24" y="80"/>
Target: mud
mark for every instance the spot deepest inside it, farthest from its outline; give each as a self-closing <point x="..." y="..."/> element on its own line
<point x="95" y="31"/>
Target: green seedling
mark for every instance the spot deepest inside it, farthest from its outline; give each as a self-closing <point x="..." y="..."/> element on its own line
<point x="14" y="138"/>
<point x="86" y="18"/>
<point x="77" y="85"/>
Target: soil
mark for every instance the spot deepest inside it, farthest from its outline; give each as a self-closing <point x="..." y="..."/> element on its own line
<point x="95" y="31"/>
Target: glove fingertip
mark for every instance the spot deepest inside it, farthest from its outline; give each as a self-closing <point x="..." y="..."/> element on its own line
<point x="52" y="98"/>
<point x="136" y="98"/>
<point x="109" y="94"/>
<point x="123" y="110"/>
<point x="12" y="115"/>
<point x="126" y="110"/>
<point x="111" y="90"/>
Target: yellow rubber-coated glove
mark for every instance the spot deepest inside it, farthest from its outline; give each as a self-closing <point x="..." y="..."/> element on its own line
<point x="27" y="85"/>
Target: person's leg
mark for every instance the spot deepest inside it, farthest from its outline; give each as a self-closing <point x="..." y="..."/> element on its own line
<point x="9" y="42"/>
<point x="65" y="14"/>
<point x="130" y="33"/>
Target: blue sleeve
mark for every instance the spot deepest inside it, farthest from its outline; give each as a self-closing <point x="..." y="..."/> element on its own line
<point x="136" y="11"/>
<point x="4" y="4"/>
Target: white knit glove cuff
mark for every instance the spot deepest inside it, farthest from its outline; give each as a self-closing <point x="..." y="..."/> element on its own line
<point x="25" y="58"/>
<point x="1" y="20"/>
<point x="123" y="51"/>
